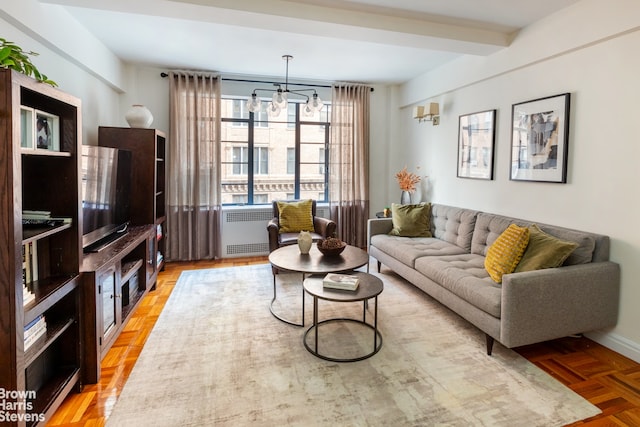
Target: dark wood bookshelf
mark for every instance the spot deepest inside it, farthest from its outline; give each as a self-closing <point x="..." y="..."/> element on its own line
<point x="43" y="179"/>
<point x="148" y="198"/>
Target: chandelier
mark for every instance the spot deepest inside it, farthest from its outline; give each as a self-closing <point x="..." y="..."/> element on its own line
<point x="280" y="97"/>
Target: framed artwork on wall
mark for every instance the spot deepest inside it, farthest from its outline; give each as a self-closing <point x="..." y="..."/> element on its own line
<point x="539" y="139"/>
<point x="476" y="140"/>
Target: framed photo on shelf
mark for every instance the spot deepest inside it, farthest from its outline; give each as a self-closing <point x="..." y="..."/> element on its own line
<point x="476" y="140"/>
<point x="26" y="127"/>
<point x="539" y="139"/>
<point x="47" y="131"/>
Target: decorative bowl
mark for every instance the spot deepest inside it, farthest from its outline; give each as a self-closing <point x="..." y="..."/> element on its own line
<point x="331" y="249"/>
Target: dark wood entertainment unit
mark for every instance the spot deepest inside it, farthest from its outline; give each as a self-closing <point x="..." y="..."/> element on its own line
<point x="114" y="280"/>
<point x="61" y="309"/>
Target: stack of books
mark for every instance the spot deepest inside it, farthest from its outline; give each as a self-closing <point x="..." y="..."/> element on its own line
<point x="42" y="218"/>
<point x="36" y="329"/>
<point x="27" y="295"/>
<point x="345" y="282"/>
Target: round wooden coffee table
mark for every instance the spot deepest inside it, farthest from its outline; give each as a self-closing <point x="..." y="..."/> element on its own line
<point x="369" y="287"/>
<point x="289" y="258"/>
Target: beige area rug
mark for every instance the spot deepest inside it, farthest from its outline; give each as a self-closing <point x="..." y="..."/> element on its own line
<point x="218" y="357"/>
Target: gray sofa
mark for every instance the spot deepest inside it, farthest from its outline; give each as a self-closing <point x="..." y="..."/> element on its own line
<point x="528" y="307"/>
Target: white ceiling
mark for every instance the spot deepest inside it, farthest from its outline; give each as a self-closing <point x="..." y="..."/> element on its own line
<point x="372" y="41"/>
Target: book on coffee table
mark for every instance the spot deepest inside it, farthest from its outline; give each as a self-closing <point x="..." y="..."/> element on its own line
<point x="346" y="282"/>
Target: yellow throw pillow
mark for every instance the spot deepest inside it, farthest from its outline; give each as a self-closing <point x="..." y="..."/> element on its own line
<point x="295" y="216"/>
<point x="505" y="253"/>
<point x="411" y="220"/>
<point x="544" y="251"/>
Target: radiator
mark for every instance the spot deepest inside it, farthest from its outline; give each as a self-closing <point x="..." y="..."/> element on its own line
<point x="244" y="230"/>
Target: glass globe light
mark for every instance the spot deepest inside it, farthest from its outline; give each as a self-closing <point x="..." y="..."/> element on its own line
<point x="307" y="111"/>
<point x="280" y="98"/>
<point x="254" y="103"/>
<point x="273" y="110"/>
<point x="316" y="102"/>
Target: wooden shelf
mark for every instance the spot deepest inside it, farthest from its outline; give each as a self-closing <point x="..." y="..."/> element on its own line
<point x="33" y="234"/>
<point x="51" y="395"/>
<point x="128" y="269"/>
<point x="48" y="292"/>
<point x="47" y="180"/>
<point x="41" y="152"/>
<point x="53" y="332"/>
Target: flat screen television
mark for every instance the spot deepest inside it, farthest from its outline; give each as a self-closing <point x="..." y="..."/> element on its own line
<point x="106" y="192"/>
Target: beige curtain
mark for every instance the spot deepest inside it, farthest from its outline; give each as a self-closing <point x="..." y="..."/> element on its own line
<point x="194" y="206"/>
<point x="349" y="162"/>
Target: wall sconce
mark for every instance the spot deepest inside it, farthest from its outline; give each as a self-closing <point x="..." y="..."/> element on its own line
<point x="427" y="113"/>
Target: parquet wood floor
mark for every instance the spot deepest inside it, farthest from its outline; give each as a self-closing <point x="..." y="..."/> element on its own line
<point x="605" y="378"/>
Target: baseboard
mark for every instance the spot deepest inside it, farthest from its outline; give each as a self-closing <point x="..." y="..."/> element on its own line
<point x="617" y="343"/>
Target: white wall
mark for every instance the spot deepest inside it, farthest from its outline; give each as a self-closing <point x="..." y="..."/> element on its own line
<point x="99" y="96"/>
<point x="601" y="73"/>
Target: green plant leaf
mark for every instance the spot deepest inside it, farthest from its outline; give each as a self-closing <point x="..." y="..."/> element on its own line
<point x="12" y="56"/>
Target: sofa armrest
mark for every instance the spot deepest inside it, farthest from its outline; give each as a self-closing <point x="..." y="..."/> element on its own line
<point x="556" y="302"/>
<point x="378" y="226"/>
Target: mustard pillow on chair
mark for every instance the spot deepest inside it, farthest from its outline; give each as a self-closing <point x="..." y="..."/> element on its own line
<point x="505" y="253"/>
<point x="295" y="216"/>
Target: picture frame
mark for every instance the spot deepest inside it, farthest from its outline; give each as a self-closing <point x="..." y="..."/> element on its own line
<point x="540" y="139"/>
<point x="26" y="127"/>
<point x="476" y="144"/>
<point x="46" y="131"/>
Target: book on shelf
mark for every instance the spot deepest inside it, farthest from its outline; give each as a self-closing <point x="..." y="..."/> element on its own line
<point x="29" y="263"/>
<point x="29" y="214"/>
<point x="347" y="282"/>
<point x="35" y="218"/>
<point x="27" y="295"/>
<point x="36" y="329"/>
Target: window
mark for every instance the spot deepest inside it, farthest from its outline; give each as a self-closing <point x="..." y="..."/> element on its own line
<point x="239" y="111"/>
<point x="321" y="160"/>
<point x="260" y="161"/>
<point x="291" y="160"/>
<point x="287" y="154"/>
<point x="240" y="160"/>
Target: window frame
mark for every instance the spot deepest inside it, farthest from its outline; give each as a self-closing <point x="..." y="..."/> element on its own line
<point x="253" y="122"/>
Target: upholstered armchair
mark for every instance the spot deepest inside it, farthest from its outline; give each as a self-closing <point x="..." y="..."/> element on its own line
<point x="322" y="228"/>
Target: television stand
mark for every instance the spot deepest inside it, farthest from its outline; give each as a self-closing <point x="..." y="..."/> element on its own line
<point x="114" y="281"/>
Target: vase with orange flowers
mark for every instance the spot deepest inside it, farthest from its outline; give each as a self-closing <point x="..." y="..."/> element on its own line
<point x="407" y="182"/>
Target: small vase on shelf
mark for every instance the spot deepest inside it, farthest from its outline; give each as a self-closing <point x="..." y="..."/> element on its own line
<point x="405" y="198"/>
<point x="139" y="116"/>
<point x="304" y="242"/>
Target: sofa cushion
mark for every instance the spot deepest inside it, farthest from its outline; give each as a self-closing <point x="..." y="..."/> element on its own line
<point x="411" y="220"/>
<point x="453" y="225"/>
<point x="505" y="252"/>
<point x="489" y="226"/>
<point x="465" y="276"/>
<point x="295" y="216"/>
<point x="544" y="251"/>
<point x="408" y="249"/>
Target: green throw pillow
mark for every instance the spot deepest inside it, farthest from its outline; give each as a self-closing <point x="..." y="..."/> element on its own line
<point x="505" y="252"/>
<point x="295" y="216"/>
<point x="411" y="220"/>
<point x="544" y="251"/>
